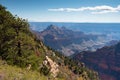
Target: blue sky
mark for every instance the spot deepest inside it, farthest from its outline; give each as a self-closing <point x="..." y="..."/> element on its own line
<point x="65" y="10"/>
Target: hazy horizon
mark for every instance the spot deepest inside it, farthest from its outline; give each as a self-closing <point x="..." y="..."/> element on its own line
<point x="73" y="22"/>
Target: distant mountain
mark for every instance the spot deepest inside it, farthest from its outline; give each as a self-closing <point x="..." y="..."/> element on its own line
<point x="112" y="30"/>
<point x="69" y="41"/>
<point x="106" y="61"/>
<point x="24" y="57"/>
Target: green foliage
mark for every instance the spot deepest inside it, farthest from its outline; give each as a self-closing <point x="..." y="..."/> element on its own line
<point x="17" y="44"/>
<point x="61" y="75"/>
<point x="45" y="70"/>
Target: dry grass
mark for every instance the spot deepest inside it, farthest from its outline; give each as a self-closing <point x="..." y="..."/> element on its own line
<point x="8" y="72"/>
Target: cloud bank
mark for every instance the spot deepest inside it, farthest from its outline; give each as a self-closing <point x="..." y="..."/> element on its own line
<point x="95" y="10"/>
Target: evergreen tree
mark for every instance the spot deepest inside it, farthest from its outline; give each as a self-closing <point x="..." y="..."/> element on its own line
<point x="17" y="43"/>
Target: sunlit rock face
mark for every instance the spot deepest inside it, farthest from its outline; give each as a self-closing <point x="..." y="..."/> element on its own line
<point x="53" y="66"/>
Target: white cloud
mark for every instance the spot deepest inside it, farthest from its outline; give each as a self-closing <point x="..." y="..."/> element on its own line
<point x="95" y="10"/>
<point x="105" y="11"/>
<point x="59" y="9"/>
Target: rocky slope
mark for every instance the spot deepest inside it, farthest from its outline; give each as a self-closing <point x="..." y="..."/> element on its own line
<point x="106" y="61"/>
<point x="70" y="42"/>
<point x="20" y="48"/>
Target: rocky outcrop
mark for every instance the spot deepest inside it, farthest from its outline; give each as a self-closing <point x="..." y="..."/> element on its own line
<point x="53" y="66"/>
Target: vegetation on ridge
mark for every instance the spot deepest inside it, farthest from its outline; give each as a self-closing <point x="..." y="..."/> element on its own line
<point x="19" y="47"/>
